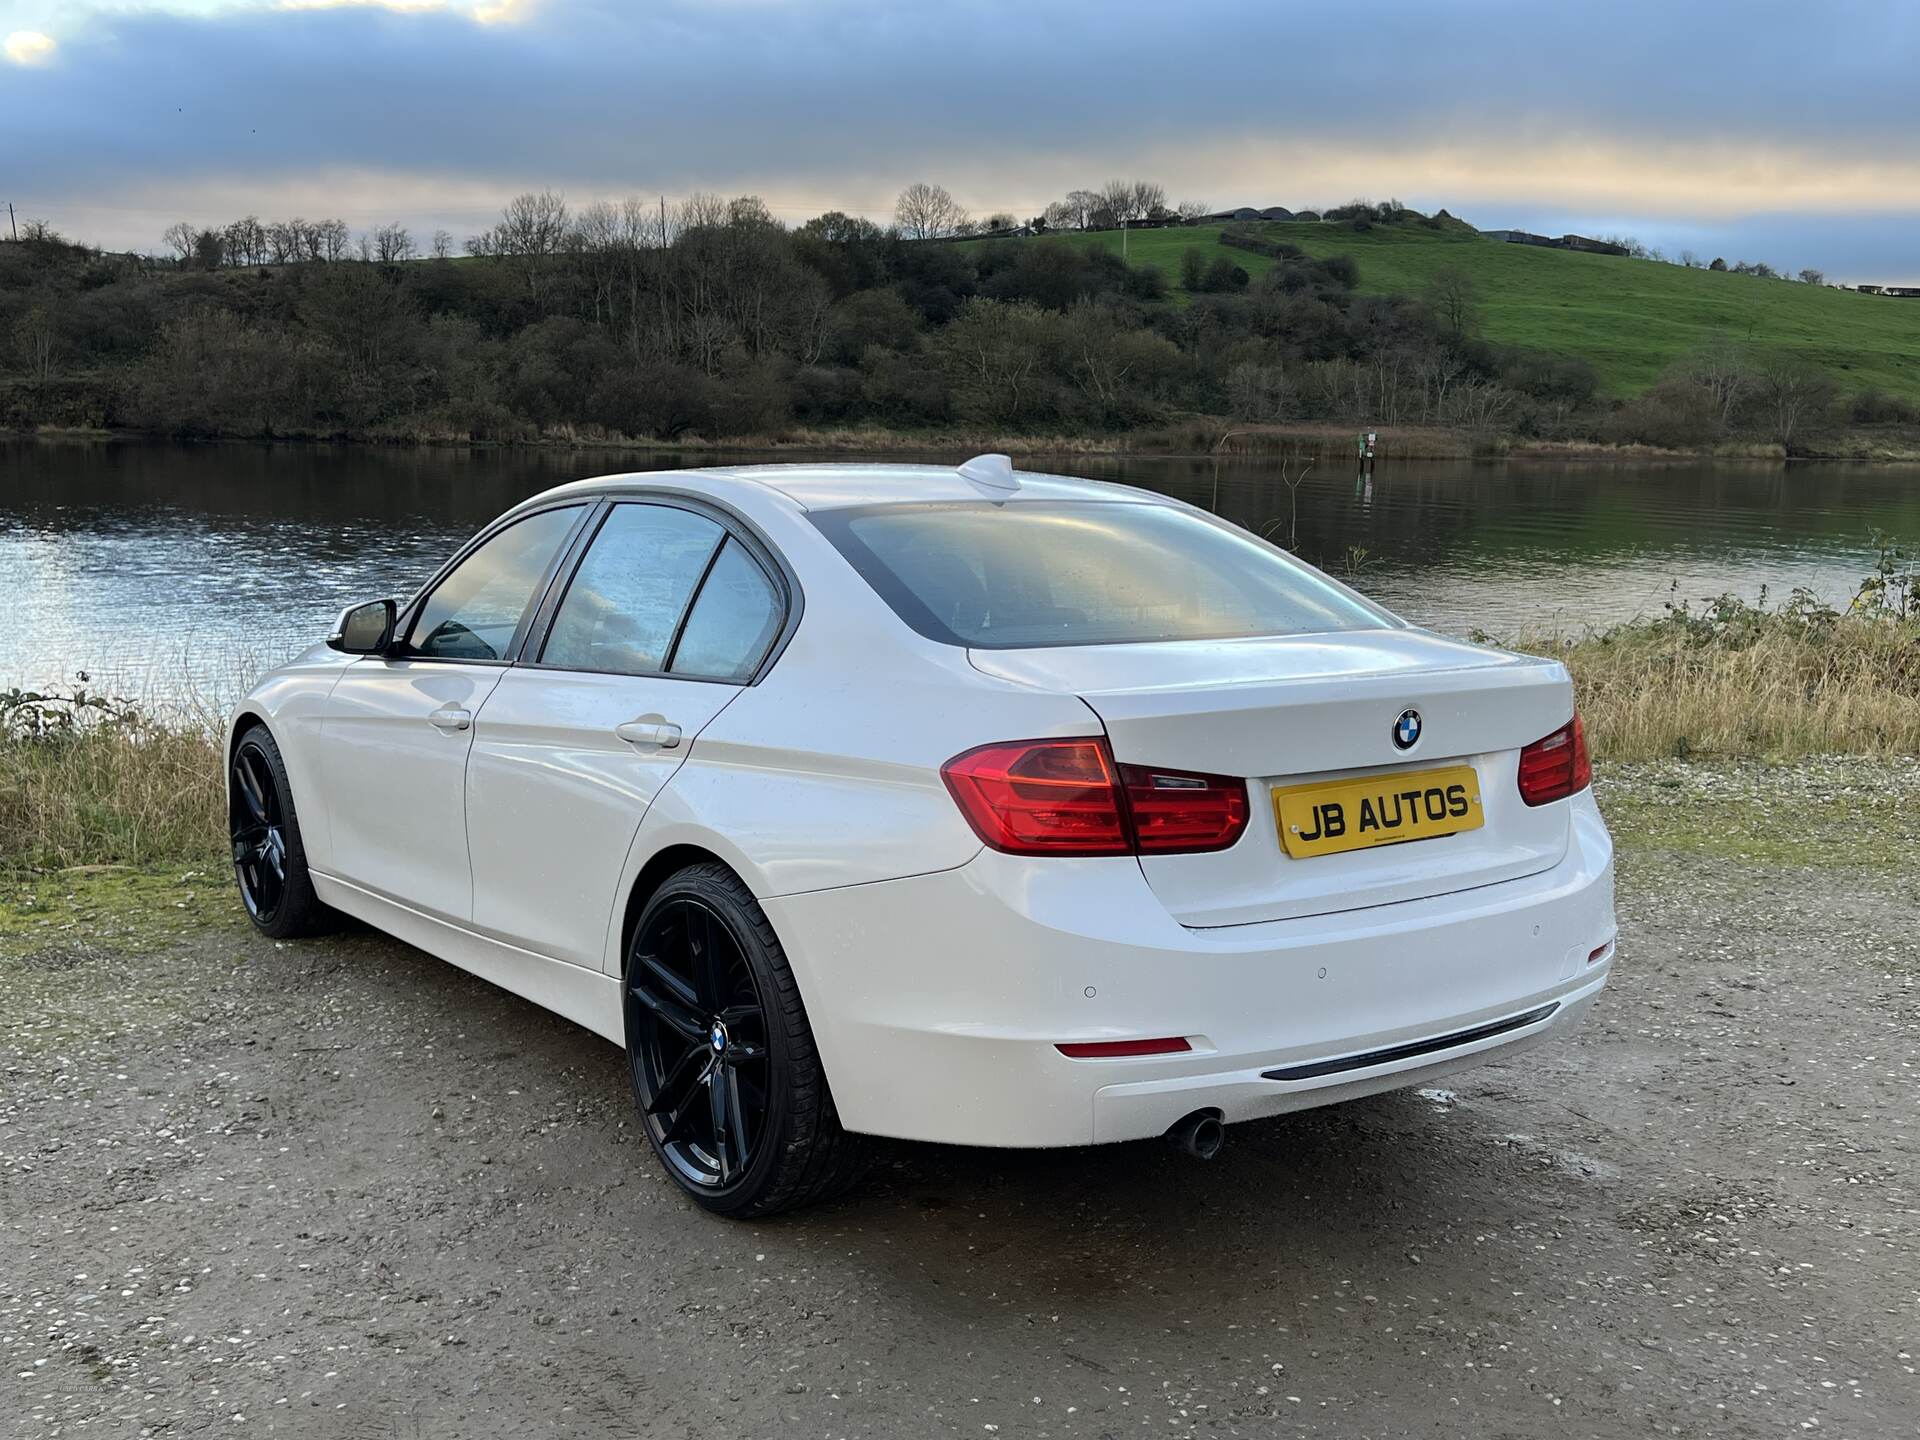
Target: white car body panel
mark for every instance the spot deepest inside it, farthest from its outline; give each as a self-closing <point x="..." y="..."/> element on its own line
<point x="952" y="1038"/>
<point x="554" y="796"/>
<point x="939" y="975"/>
<point x="406" y="836"/>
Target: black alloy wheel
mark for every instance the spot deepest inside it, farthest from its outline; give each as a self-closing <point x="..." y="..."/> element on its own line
<point x="269" y="861"/>
<point x="702" y="1061"/>
<point x="730" y="1086"/>
<point x="259" y="835"/>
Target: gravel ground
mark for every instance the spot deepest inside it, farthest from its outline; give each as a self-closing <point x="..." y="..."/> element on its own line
<point x="340" y="1189"/>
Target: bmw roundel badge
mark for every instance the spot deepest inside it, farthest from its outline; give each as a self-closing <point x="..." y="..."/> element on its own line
<point x="1406" y="730"/>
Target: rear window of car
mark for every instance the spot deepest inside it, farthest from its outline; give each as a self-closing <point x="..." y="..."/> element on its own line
<point x="1027" y="574"/>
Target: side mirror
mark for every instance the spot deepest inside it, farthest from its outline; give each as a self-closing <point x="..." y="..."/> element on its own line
<point x="364" y="629"/>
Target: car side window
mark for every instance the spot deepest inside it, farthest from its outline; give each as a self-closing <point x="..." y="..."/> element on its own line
<point x="734" y="619"/>
<point x="627" y="598"/>
<point x="475" y="611"/>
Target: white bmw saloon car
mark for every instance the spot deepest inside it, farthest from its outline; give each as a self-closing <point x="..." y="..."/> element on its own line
<point x="951" y="804"/>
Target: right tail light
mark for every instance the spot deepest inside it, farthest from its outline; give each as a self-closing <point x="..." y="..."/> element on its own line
<point x="1556" y="766"/>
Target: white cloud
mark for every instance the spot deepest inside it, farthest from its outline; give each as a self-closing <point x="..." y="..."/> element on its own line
<point x="29" y="47"/>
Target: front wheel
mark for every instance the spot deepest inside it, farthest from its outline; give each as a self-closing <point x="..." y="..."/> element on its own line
<point x="724" y="1068"/>
<point x="269" y="860"/>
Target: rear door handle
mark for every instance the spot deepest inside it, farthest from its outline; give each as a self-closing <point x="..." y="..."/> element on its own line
<point x="449" y="718"/>
<point x="650" y="730"/>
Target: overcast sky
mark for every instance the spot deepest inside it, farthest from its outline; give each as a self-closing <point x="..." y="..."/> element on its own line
<point x="1748" y="128"/>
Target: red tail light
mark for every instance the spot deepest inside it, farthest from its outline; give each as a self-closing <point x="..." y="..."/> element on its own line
<point x="1041" y="797"/>
<point x="1557" y="766"/>
<point x="1177" y="812"/>
<point x="1068" y="797"/>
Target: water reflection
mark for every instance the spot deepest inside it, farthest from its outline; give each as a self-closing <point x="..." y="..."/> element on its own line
<point x="163" y="566"/>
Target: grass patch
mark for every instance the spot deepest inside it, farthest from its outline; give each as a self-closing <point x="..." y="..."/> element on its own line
<point x="1739" y="680"/>
<point x="1832" y="813"/>
<point x="1630" y="319"/>
<point x="89" y="780"/>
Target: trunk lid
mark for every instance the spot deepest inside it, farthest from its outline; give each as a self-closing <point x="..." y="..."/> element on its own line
<point x="1297" y="710"/>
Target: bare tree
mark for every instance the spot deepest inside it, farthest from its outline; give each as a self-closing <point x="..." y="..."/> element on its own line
<point x="1192" y="210"/>
<point x="180" y="237"/>
<point x="928" y="212"/>
<point x="1689" y="259"/>
<point x="37" y="335"/>
<point x="329" y="240"/>
<point x="244" y="242"/>
<point x="1075" y="212"/>
<point x="286" y="241"/>
<point x="393" y="244"/>
<point x="1454" y="299"/>
<point x="1794" y="394"/>
<point x="1723" y="370"/>
<point x="1149" y="200"/>
<point x="1116" y="199"/>
<point x="442" y="245"/>
<point x="1810" y="276"/>
<point x="531" y="231"/>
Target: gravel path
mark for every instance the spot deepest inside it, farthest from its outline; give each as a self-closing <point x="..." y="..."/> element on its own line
<point x="340" y="1189"/>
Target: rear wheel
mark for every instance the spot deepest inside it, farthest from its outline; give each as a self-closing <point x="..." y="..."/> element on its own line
<point x="269" y="860"/>
<point x="724" y="1068"/>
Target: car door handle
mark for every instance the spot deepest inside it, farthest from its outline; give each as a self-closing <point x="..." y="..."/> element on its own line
<point x="449" y="718"/>
<point x="650" y="730"/>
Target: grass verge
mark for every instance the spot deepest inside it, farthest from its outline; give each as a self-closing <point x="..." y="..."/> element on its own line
<point x="1739" y="680"/>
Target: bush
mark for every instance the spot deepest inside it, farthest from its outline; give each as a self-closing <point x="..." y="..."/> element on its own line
<point x="824" y="394"/>
<point x="1734" y="678"/>
<point x="1876" y="407"/>
<point x="1674" y="414"/>
<point x="662" y="400"/>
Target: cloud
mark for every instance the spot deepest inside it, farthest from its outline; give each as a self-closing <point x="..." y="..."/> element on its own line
<point x="1643" y="109"/>
<point x="29" y="47"/>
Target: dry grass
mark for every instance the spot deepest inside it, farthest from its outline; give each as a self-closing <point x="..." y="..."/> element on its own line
<point x="116" y="791"/>
<point x="1849" y="686"/>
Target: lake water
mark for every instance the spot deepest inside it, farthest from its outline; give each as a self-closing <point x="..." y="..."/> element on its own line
<point x="164" y="570"/>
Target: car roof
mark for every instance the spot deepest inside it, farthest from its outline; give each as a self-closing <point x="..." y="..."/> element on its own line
<point x="836" y="486"/>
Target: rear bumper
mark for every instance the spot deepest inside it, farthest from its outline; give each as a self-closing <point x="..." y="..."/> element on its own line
<point x="938" y="1000"/>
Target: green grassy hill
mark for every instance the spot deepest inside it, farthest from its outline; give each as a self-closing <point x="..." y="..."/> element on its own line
<point x="1628" y="318"/>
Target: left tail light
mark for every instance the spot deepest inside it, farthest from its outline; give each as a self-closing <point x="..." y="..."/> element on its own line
<point x="1556" y="766"/>
<point x="1068" y="797"/>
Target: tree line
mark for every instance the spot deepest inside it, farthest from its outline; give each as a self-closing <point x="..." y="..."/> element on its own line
<point x="709" y="317"/>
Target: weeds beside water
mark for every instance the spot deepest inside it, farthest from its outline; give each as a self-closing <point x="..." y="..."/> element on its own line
<point x="1733" y="678"/>
<point x="92" y="779"/>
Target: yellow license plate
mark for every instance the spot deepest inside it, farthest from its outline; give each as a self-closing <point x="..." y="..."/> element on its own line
<point x="1343" y="815"/>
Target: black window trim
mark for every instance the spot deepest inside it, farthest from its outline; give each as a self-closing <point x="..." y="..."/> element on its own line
<point x="588" y="506"/>
<point x="732" y="526"/>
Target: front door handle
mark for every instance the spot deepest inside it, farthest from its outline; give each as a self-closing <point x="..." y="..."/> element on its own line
<point x="450" y="718"/>
<point x="650" y="730"/>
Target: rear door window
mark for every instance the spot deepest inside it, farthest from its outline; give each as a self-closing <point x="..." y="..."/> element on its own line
<point x="627" y="599"/>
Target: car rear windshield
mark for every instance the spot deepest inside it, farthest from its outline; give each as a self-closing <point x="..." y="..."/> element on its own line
<point x="1024" y="574"/>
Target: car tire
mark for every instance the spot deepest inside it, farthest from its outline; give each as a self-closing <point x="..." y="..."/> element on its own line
<point x="724" y="1067"/>
<point x="269" y="859"/>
